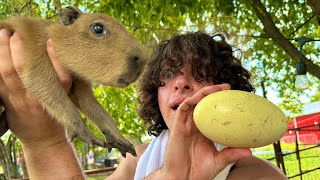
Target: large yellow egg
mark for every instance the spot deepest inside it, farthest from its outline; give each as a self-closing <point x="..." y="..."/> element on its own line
<point x="239" y="119"/>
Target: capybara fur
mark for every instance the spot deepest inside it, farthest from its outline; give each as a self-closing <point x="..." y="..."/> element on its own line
<point x="94" y="48"/>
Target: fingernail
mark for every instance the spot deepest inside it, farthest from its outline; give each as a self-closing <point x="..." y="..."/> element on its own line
<point x="49" y="43"/>
<point x="3" y="33"/>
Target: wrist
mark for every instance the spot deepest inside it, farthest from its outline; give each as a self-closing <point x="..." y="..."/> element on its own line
<point x="50" y="160"/>
<point x="46" y="145"/>
<point x="42" y="137"/>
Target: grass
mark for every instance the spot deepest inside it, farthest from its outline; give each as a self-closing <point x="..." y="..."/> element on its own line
<point x="310" y="159"/>
<point x="100" y="176"/>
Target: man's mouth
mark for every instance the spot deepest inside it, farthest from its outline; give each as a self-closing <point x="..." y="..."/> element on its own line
<point x="175" y="107"/>
<point x="177" y="101"/>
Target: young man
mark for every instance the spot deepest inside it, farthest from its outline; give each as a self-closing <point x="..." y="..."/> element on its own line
<point x="180" y="73"/>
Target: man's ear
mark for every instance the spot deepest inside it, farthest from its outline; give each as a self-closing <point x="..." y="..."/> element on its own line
<point x="69" y="15"/>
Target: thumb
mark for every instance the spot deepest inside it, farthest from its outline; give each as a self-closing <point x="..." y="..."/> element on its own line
<point x="230" y="155"/>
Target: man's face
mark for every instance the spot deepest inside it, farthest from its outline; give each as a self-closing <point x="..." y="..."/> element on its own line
<point x="178" y="86"/>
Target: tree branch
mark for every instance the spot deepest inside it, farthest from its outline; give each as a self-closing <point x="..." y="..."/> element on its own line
<point x="315" y="6"/>
<point x="300" y="26"/>
<point x="272" y="31"/>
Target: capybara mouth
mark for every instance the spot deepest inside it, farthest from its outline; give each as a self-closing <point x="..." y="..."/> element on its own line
<point x="127" y="79"/>
<point x="123" y="82"/>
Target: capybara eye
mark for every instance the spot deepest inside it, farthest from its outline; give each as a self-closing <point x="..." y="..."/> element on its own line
<point x="98" y="29"/>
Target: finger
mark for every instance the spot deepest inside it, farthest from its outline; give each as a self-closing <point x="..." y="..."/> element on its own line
<point x="225" y="86"/>
<point x="192" y="101"/>
<point x="63" y="75"/>
<point x="6" y="66"/>
<point x="16" y="47"/>
<point x="230" y="155"/>
<point x="185" y="105"/>
<point x="7" y="69"/>
<point x="17" y="56"/>
<point x="182" y="117"/>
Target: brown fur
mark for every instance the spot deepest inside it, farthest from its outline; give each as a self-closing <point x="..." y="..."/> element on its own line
<point x="113" y="58"/>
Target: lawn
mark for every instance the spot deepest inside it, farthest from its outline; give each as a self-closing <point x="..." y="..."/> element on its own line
<point x="310" y="159"/>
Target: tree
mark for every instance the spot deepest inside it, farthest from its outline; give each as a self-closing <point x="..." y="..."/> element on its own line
<point x="276" y="56"/>
<point x="264" y="29"/>
<point x="8" y="159"/>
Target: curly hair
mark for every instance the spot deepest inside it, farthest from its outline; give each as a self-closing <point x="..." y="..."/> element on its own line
<point x="211" y="60"/>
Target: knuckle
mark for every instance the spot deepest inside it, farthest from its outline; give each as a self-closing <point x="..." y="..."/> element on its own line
<point x="7" y="72"/>
<point x="24" y="101"/>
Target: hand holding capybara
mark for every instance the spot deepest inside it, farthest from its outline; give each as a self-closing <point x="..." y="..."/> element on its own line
<point x="94" y="48"/>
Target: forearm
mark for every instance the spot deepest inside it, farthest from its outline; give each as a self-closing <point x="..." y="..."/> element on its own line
<point x="168" y="174"/>
<point x="158" y="174"/>
<point x="55" y="162"/>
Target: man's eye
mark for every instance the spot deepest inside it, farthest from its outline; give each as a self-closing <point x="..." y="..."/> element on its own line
<point x="168" y="74"/>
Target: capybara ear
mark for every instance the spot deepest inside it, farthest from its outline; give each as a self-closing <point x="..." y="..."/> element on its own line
<point x="69" y="14"/>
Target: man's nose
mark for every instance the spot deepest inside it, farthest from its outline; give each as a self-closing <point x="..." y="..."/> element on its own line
<point x="183" y="83"/>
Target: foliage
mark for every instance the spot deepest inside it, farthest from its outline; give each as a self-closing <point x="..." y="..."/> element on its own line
<point x="154" y="20"/>
<point x="269" y="62"/>
<point x="266" y="59"/>
<point x="122" y="105"/>
<point x="8" y="160"/>
<point x="10" y="8"/>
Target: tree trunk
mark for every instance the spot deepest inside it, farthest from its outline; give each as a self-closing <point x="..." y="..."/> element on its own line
<point x="9" y="167"/>
<point x="272" y="31"/>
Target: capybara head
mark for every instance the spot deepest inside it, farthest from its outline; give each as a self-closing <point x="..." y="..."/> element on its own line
<point x="97" y="47"/>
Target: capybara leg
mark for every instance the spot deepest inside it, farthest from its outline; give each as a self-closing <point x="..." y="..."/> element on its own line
<point x="85" y="101"/>
<point x="81" y="132"/>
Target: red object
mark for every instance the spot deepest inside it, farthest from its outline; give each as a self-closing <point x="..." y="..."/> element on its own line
<point x="308" y="129"/>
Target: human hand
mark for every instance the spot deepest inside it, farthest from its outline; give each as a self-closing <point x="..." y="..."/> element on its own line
<point x="189" y="154"/>
<point x="25" y="115"/>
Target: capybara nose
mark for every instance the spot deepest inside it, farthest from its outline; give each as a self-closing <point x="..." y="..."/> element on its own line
<point x="136" y="62"/>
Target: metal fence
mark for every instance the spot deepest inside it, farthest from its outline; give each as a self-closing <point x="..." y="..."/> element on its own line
<point x="304" y="162"/>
